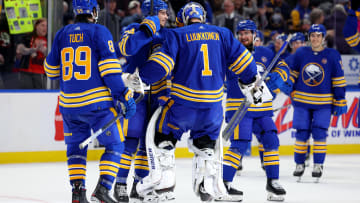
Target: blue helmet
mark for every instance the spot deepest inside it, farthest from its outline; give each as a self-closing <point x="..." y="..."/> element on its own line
<point x="298" y="36"/>
<point x="282" y="37"/>
<point x="246" y="25"/>
<point x="193" y="10"/>
<point x="259" y="35"/>
<point x="85" y="6"/>
<point x="318" y="28"/>
<point x="157" y="6"/>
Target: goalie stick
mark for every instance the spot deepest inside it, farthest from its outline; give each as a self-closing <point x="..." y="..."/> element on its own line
<point x="241" y="111"/>
<point x="112" y="121"/>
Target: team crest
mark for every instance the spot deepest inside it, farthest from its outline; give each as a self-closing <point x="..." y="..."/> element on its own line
<point x="313" y="74"/>
<point x="324" y="61"/>
<point x="263" y="59"/>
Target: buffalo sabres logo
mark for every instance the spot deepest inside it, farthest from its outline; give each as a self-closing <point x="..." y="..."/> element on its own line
<point x="313" y="74"/>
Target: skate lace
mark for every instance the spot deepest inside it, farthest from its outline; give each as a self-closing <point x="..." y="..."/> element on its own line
<point x="317" y="168"/>
<point x="121" y="189"/>
<point x="299" y="168"/>
<point x="276" y="184"/>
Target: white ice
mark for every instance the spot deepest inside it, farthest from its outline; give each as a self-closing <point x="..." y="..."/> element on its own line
<point x="48" y="182"/>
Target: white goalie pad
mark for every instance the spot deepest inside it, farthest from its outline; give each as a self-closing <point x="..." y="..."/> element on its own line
<point x="161" y="179"/>
<point x="207" y="170"/>
<point x="256" y="94"/>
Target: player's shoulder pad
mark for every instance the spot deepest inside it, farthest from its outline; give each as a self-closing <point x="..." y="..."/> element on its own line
<point x="132" y="26"/>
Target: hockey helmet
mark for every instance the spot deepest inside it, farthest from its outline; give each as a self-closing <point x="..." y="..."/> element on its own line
<point x="246" y="25"/>
<point x="298" y="36"/>
<point x="158" y="5"/>
<point x="179" y="22"/>
<point x="259" y="35"/>
<point x="193" y="10"/>
<point x="318" y="28"/>
<point x="85" y="6"/>
<point x="281" y="37"/>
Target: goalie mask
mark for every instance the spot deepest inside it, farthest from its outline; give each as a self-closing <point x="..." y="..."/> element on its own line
<point x="193" y="10"/>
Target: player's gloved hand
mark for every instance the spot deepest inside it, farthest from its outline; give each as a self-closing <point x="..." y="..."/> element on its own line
<point x="150" y="25"/>
<point x="127" y="104"/>
<point x="252" y="93"/>
<point x="274" y="81"/>
<point x="287" y="88"/>
<point x="132" y="81"/>
<point x="339" y="107"/>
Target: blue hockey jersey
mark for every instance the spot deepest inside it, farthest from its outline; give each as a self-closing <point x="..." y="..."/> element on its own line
<point x="83" y="58"/>
<point x="351" y="33"/>
<point x="319" y="80"/>
<point x="136" y="46"/>
<point x="197" y="56"/>
<point x="263" y="57"/>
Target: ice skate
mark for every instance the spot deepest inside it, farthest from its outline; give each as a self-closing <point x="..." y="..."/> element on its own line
<point x="78" y="193"/>
<point x="120" y="192"/>
<point x="299" y="171"/>
<point x="275" y="191"/>
<point x="234" y="195"/>
<point x="101" y="194"/>
<point x="317" y="172"/>
<point x="134" y="195"/>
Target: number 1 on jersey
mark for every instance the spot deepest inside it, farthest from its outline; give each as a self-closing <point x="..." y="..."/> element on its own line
<point x="206" y="71"/>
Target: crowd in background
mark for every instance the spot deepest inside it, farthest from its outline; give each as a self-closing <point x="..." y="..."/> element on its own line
<point x="21" y="55"/>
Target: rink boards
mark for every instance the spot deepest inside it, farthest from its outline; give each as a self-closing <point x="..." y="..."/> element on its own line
<point x="27" y="129"/>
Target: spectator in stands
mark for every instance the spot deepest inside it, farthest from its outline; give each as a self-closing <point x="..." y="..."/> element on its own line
<point x="317" y="16"/>
<point x="300" y="17"/>
<point x="277" y="12"/>
<point x="246" y="8"/>
<point x="68" y="15"/>
<point x="110" y="19"/>
<point x="32" y="74"/>
<point x="334" y="25"/>
<point x="135" y="15"/>
<point x="229" y="18"/>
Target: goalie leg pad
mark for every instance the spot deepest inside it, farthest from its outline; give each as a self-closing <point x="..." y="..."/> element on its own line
<point x="206" y="169"/>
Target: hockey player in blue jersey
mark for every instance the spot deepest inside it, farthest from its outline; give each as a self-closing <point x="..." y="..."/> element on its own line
<point x="136" y="43"/>
<point x="258" y="119"/>
<point x="197" y="57"/>
<point x="350" y="31"/>
<point x="279" y="41"/>
<point x="83" y="59"/>
<point x="352" y="35"/>
<point x="318" y="92"/>
<point x="259" y="38"/>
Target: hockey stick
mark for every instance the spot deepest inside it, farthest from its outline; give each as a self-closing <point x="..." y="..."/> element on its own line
<point x="241" y="111"/>
<point x="112" y="121"/>
<point x="282" y="107"/>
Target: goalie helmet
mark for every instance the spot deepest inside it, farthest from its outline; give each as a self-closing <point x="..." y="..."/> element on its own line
<point x="318" y="28"/>
<point x="193" y="10"/>
<point x="158" y="5"/>
<point x="85" y="6"/>
<point x="246" y="25"/>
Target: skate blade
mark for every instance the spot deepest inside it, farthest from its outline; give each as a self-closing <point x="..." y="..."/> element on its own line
<point x="274" y="197"/>
<point x="94" y="199"/>
<point x="229" y="198"/>
<point x="167" y="196"/>
<point x="317" y="180"/>
<point x="134" y="200"/>
<point x="298" y="179"/>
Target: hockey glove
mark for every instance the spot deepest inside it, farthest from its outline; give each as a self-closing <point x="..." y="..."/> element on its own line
<point x="132" y="81"/>
<point x="252" y="93"/>
<point x="150" y="25"/>
<point x="127" y="104"/>
<point x="339" y="107"/>
<point x="274" y="82"/>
